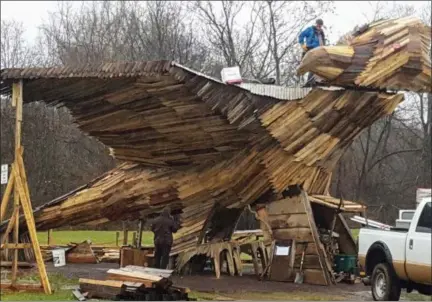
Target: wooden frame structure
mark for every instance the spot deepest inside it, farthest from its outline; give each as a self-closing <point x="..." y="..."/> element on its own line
<point x="21" y="200"/>
<point x="190" y="141"/>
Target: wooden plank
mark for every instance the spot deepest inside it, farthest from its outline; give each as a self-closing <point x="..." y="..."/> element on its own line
<point x="20" y="264"/>
<point x="6" y="195"/>
<point x="28" y="214"/>
<point x="325" y="264"/>
<point x="111" y="283"/>
<point x="287" y="221"/>
<point x="49" y="235"/>
<point x="10" y="226"/>
<point x="16" y="231"/>
<point x="8" y="286"/>
<point x="136" y="274"/>
<point x="16" y="246"/>
<point x="286" y="206"/>
<point x="297" y="234"/>
<point x="116" y="277"/>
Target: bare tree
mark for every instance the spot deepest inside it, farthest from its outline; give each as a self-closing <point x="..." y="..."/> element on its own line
<point x="129" y="30"/>
<point x="15" y="52"/>
<point x="282" y="33"/>
<point x="233" y="42"/>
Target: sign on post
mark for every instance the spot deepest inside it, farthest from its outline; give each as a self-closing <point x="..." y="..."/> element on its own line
<point x="4" y="174"/>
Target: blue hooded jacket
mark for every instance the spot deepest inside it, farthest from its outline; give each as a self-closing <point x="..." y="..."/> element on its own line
<point x="311" y="36"/>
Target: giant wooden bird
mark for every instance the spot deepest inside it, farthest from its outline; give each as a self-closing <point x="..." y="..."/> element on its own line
<point x="192" y="142"/>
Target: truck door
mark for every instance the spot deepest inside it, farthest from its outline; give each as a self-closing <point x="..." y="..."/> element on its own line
<point x="418" y="247"/>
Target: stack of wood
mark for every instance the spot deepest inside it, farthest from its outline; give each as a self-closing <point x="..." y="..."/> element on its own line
<point x="81" y="253"/>
<point x="387" y="54"/>
<point x="192" y="142"/>
<point x="134" y="283"/>
<point x="110" y="256"/>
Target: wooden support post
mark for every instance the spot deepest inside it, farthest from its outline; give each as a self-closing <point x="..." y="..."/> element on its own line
<point x="49" y="241"/>
<point x="230" y="261"/>
<point x="134" y="239"/>
<point x="125" y="237"/>
<point x="6" y="196"/>
<point x="125" y="234"/>
<point x="18" y="185"/>
<point x="117" y="238"/>
<point x="237" y="260"/>
<point x="254" y="248"/>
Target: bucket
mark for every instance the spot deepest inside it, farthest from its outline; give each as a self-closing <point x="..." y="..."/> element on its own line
<point x="59" y="257"/>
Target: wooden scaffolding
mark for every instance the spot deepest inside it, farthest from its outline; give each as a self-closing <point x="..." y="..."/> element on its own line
<point x="21" y="201"/>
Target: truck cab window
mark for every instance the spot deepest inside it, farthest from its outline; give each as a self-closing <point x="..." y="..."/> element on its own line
<point x="425" y="221"/>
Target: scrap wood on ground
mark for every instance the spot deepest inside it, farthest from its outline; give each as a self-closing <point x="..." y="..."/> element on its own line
<point x="191" y="142"/>
<point x="134" y="283"/>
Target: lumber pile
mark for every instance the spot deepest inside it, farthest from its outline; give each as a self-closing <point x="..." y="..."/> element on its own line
<point x="387" y="54"/>
<point x="81" y="253"/>
<point x="134" y="283"/>
<point x="191" y="142"/>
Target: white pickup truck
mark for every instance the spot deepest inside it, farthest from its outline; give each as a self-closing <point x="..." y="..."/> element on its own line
<point x="398" y="258"/>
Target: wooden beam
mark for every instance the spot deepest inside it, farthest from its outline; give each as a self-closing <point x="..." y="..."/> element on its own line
<point x="18" y="184"/>
<point x="17" y="287"/>
<point x="16" y="232"/>
<point x="28" y="214"/>
<point x="20" y="264"/>
<point x="6" y="196"/>
<point x="49" y="233"/>
<point x="16" y="246"/>
<point x="10" y="226"/>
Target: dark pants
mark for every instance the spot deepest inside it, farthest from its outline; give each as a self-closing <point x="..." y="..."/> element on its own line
<point x="161" y="255"/>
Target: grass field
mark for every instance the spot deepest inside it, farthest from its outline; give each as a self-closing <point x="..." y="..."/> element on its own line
<point x="103" y="237"/>
<point x="57" y="281"/>
<point x="96" y="237"/>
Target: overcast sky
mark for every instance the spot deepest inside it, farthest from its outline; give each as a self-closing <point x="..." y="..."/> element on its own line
<point x="347" y="15"/>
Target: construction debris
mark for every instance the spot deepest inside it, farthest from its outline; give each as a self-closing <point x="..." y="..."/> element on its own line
<point x="81" y="253"/>
<point x="134" y="283"/>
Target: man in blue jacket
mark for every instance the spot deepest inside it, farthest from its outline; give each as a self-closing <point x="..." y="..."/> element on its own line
<point x="311" y="38"/>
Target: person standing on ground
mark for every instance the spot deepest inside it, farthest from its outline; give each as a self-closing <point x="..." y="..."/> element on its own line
<point x="310" y="38"/>
<point x="163" y="228"/>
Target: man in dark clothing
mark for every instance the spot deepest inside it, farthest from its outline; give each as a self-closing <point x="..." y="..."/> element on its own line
<point x="315" y="37"/>
<point x="163" y="227"/>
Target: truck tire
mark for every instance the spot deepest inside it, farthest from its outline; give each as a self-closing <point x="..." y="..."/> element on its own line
<point x="385" y="283"/>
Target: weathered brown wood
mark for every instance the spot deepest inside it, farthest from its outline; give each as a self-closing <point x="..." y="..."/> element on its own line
<point x="282" y="266"/>
<point x="379" y="57"/>
<point x="190" y="142"/>
<point x="121" y="278"/>
<point x="81" y="253"/>
<point x="20" y="264"/>
<point x="8" y="286"/>
<point x="297" y="234"/>
<point x="6" y="195"/>
<point x="105" y="289"/>
<point x="49" y="237"/>
<point x="16" y="246"/>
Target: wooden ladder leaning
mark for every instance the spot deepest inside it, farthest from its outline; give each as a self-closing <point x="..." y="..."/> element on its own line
<point x="21" y="201"/>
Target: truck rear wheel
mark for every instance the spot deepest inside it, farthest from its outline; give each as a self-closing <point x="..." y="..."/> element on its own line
<point x="385" y="283"/>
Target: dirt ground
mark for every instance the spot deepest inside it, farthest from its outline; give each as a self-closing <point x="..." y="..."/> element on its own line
<point x="227" y="285"/>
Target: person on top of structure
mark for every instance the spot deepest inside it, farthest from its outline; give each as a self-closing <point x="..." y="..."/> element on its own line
<point x="163" y="228"/>
<point x="310" y="38"/>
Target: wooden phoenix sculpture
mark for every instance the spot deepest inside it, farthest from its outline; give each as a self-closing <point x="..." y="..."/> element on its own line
<point x="192" y="142"/>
